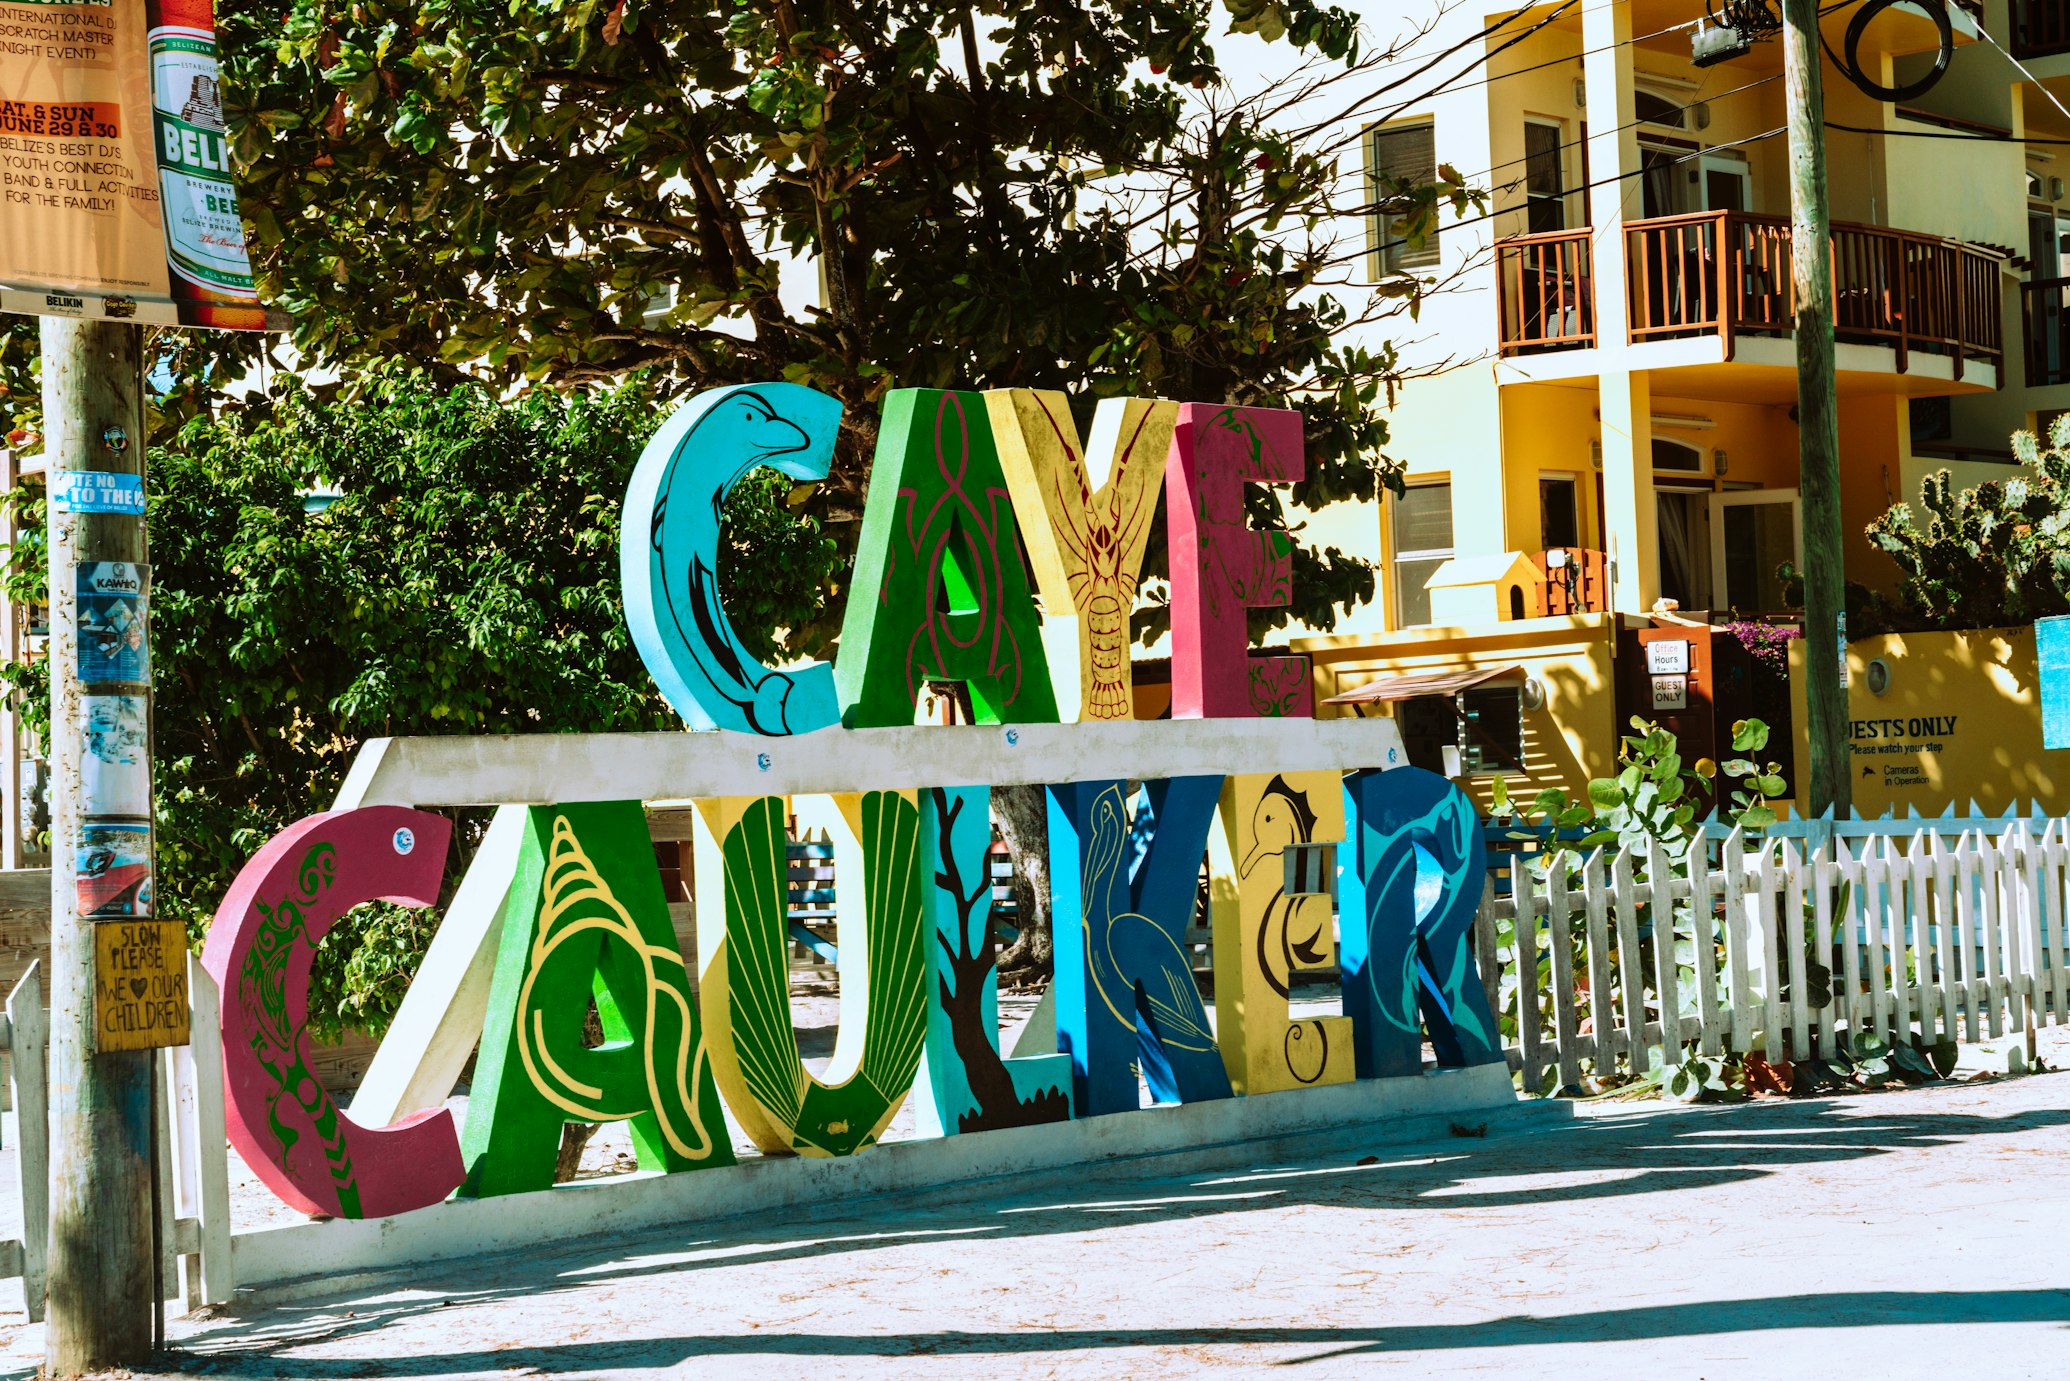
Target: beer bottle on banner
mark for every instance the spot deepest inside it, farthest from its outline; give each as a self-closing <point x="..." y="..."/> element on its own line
<point x="204" y="238"/>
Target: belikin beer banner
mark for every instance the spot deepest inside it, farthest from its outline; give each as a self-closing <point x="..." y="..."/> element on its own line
<point x="115" y="191"/>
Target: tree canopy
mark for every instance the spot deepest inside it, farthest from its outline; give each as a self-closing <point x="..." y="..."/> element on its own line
<point x="464" y="579"/>
<point x="545" y="192"/>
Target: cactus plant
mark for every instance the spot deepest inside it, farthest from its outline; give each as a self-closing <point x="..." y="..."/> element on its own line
<point x="1991" y="556"/>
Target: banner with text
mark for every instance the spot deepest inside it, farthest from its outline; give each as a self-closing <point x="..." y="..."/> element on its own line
<point x="115" y="191"/>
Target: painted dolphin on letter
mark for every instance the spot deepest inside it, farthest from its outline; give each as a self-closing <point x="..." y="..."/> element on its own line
<point x="668" y="555"/>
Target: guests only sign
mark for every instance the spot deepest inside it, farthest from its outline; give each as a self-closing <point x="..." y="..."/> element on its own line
<point x="562" y="909"/>
<point x="115" y="191"/>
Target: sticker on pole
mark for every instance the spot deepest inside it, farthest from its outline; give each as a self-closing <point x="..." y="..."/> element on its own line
<point x="115" y="768"/>
<point x="112" y="869"/>
<point x="113" y="597"/>
<point x="96" y="491"/>
<point x="139" y="985"/>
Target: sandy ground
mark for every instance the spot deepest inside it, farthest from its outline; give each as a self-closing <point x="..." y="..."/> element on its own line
<point x="1910" y="1234"/>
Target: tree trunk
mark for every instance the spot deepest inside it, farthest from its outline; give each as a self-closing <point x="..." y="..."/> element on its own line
<point x="575" y="1135"/>
<point x="1022" y="813"/>
<point x="574" y="1141"/>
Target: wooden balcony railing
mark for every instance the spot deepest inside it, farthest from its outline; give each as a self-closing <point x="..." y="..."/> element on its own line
<point x="2045" y="326"/>
<point x="1727" y="273"/>
<point x="1548" y="297"/>
<point x="1573" y="580"/>
<point x="2040" y="27"/>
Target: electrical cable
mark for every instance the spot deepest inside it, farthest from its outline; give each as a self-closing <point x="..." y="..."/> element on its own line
<point x="1586" y="186"/>
<point x="1942" y="134"/>
<point x="1850" y="65"/>
<point x="1700" y="98"/>
<point x="2023" y="70"/>
<point x="1756" y="20"/>
<point x="1572" y="57"/>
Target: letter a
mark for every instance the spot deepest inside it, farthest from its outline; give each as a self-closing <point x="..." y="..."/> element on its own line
<point x="585" y="920"/>
<point x="939" y="593"/>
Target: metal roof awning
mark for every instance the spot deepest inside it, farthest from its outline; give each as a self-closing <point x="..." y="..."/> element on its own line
<point x="1415" y="685"/>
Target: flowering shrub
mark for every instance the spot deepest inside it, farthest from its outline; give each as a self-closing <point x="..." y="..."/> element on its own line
<point x="1768" y="642"/>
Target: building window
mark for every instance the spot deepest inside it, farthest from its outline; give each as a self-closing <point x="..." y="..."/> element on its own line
<point x="1422" y="543"/>
<point x="1932" y="419"/>
<point x="1559" y="514"/>
<point x="1492" y="723"/>
<point x="1475" y="733"/>
<point x="1429" y="724"/>
<point x="1545" y="181"/>
<point x="1404" y="153"/>
<point x="1653" y="108"/>
<point x="1677" y="457"/>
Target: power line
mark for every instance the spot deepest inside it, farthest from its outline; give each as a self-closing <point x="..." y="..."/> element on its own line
<point x="1698" y="99"/>
<point x="1575" y="57"/>
<point x="1598" y="182"/>
<point x="1942" y="134"/>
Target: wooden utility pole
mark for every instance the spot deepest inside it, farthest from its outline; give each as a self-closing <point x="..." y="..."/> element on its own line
<point x="101" y="1253"/>
<point x="1818" y="418"/>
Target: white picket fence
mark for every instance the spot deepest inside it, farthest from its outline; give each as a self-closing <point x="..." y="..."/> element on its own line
<point x="193" y="1162"/>
<point x="1956" y="931"/>
<point x="1945" y="934"/>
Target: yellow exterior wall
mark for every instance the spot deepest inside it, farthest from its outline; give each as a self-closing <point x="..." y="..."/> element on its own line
<point x="1546" y="93"/>
<point x="1960" y="721"/>
<point x="1547" y="428"/>
<point x="1874" y="442"/>
<point x="1573" y="738"/>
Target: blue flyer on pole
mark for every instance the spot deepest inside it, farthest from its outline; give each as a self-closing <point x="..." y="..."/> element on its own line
<point x="96" y="491"/>
<point x="113" y="597"/>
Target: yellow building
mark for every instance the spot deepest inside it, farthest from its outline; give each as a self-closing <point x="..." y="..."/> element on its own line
<point x="1617" y="372"/>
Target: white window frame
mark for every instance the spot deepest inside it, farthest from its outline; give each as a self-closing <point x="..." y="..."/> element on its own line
<point x="1390" y="253"/>
<point x="1445" y="553"/>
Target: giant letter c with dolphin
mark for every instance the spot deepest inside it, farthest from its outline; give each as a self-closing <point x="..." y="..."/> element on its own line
<point x="668" y="555"/>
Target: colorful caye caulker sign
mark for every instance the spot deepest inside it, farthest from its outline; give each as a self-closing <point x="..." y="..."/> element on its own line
<point x="116" y="198"/>
<point x="562" y="909"/>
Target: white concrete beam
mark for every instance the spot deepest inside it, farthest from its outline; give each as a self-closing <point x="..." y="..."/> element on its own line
<point x="544" y="769"/>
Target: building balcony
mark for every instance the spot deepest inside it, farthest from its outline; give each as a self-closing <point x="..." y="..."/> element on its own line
<point x="1726" y="274"/>
<point x="2040" y="27"/>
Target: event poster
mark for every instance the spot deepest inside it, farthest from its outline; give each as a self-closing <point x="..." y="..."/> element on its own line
<point x="113" y="597"/>
<point x="115" y="192"/>
<point x="112" y="871"/>
<point x="116" y="766"/>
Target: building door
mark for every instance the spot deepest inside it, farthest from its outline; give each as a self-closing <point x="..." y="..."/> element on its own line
<point x="1727" y="186"/>
<point x="1753" y="532"/>
<point x="1682" y="532"/>
<point x="1545" y="177"/>
<point x="2047" y="315"/>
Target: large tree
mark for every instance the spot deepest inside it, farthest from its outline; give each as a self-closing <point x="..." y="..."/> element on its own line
<point x="549" y="192"/>
<point x="464" y="579"/>
<point x="1064" y="196"/>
